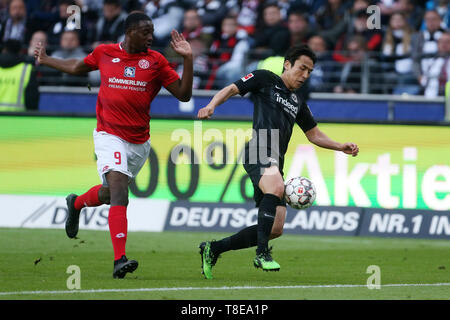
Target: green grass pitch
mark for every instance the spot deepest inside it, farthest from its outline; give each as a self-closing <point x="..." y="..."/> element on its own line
<point x="34" y="262"/>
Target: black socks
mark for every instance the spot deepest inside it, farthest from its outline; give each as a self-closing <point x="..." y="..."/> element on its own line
<point x="245" y="238"/>
<point x="266" y="217"/>
<point x="254" y="235"/>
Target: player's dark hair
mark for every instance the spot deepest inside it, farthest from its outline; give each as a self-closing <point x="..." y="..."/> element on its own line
<point x="134" y="18"/>
<point x="294" y="52"/>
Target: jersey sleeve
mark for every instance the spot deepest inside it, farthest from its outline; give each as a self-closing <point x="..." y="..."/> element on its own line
<point x="167" y="74"/>
<point x="251" y="82"/>
<point x="305" y="119"/>
<point x="93" y="58"/>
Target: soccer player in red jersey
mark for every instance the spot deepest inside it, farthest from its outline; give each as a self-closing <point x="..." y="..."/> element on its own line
<point x="131" y="76"/>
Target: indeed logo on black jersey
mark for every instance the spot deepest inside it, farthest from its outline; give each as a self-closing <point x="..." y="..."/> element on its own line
<point x="286" y="103"/>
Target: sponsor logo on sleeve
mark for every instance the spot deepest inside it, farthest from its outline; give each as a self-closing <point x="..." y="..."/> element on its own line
<point x="250" y="75"/>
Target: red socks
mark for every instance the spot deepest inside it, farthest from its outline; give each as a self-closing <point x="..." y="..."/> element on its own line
<point x="117" y="219"/>
<point x="88" y="199"/>
<point x="118" y="226"/>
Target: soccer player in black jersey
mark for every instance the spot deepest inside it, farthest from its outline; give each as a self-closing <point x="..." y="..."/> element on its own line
<point x="276" y="109"/>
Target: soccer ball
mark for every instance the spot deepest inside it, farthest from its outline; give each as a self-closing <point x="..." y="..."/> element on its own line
<point x="299" y="192"/>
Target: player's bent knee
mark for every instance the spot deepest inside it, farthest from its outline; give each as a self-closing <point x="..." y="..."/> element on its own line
<point x="121" y="200"/>
<point x="119" y="196"/>
<point x="278" y="190"/>
<point x="118" y="188"/>
<point x="272" y="182"/>
<point x="104" y="195"/>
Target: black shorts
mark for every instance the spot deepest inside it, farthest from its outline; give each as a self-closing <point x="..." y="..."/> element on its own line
<point x="255" y="172"/>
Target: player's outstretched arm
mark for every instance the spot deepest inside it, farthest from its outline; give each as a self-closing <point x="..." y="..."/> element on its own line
<point x="219" y="98"/>
<point x="320" y="139"/>
<point x="71" y="66"/>
<point x="182" y="89"/>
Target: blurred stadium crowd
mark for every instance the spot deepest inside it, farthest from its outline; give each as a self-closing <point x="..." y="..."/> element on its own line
<point x="409" y="53"/>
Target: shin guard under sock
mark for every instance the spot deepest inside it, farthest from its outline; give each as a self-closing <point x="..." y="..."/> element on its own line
<point x="266" y="217"/>
<point x="118" y="224"/>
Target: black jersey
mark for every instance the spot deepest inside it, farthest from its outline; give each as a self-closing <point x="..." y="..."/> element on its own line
<point x="276" y="110"/>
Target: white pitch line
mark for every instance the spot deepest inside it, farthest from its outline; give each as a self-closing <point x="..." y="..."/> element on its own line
<point x="219" y="288"/>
